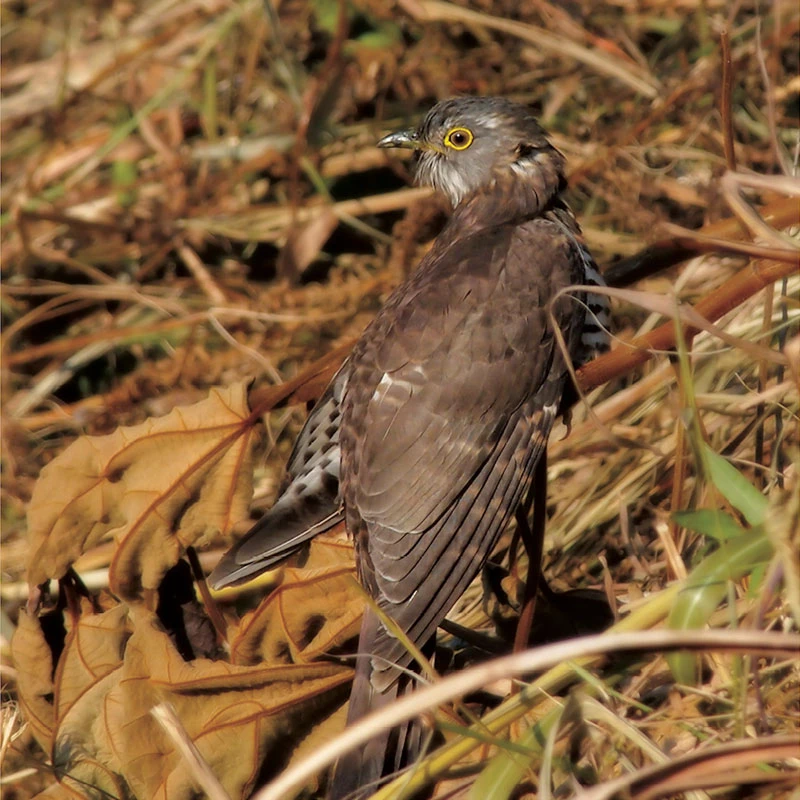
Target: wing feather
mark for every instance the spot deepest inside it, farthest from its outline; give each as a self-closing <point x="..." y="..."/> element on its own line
<point x="460" y="545"/>
<point x="309" y="504"/>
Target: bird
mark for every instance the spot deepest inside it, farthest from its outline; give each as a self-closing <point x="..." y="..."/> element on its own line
<point x="426" y="440"/>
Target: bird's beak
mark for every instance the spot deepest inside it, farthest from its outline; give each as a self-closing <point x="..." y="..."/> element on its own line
<point x="406" y="139"/>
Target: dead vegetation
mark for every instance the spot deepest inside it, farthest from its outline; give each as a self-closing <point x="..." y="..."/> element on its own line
<point x="195" y="226"/>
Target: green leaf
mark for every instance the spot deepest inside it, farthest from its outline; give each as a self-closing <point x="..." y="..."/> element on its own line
<point x="735" y="488"/>
<point x="706" y="587"/>
<point x="661" y="26"/>
<point x="756" y="583"/>
<point x="710" y="522"/>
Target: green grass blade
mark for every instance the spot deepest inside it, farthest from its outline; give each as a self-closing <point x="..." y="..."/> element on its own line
<point x="707" y="586"/>
<point x="735" y="488"/>
<point x="710" y="522"/>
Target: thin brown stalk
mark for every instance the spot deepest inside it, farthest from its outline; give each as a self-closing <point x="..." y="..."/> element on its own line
<point x="61" y="347"/>
<point x="201" y="274"/>
<point x="725" y="100"/>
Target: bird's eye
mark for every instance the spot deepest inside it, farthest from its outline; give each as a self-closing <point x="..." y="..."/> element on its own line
<point x="458" y="138"/>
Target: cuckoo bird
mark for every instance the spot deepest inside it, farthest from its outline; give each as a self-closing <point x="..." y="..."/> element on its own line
<point x="427" y="438"/>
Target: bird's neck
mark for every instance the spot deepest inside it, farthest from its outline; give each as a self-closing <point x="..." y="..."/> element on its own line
<point x="518" y="192"/>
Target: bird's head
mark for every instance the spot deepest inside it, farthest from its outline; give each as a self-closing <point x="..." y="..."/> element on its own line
<point x="469" y="143"/>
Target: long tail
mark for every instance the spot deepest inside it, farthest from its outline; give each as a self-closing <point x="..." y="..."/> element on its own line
<point x="360" y="772"/>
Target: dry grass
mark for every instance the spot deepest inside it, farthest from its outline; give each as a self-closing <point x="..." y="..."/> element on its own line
<point x="191" y="196"/>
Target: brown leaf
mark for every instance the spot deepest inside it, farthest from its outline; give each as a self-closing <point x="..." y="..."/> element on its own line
<point x="334" y="548"/>
<point x="85" y="671"/>
<point x="310" y="615"/>
<point x="240" y="718"/>
<point x="93" y="649"/>
<point x="33" y="660"/>
<point x="82" y="752"/>
<point x="235" y="715"/>
<point x="156" y="487"/>
<point x="117" y="665"/>
<point x="88" y="666"/>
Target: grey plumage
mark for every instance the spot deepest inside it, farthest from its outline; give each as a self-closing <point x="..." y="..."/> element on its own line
<point x="446" y="402"/>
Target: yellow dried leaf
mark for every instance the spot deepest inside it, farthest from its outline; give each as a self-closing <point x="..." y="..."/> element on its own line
<point x="82" y="751"/>
<point x="312" y="613"/>
<point x="156" y="487"/>
<point x="240" y="718"/>
<point x="65" y="713"/>
<point x="33" y="660"/>
<point x="332" y="548"/>
<point x="92" y="650"/>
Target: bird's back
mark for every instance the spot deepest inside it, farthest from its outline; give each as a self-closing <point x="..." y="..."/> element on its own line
<point x="452" y="391"/>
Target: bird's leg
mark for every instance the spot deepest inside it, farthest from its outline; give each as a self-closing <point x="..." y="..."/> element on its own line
<point x="533" y="538"/>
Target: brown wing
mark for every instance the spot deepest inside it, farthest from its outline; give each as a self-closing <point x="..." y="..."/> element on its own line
<point x="452" y="394"/>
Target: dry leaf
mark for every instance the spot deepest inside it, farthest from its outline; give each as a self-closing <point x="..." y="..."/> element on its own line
<point x="33" y="660"/>
<point x="82" y="752"/>
<point x="155" y="487"/>
<point x="236" y="716"/>
<point x="333" y="548"/>
<point x="88" y="666"/>
<point x="310" y="615"/>
<point x="92" y="650"/>
<point x="246" y="721"/>
<point x="88" y="690"/>
<point x="115" y="666"/>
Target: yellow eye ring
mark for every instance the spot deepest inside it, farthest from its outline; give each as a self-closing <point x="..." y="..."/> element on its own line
<point x="459" y="138"/>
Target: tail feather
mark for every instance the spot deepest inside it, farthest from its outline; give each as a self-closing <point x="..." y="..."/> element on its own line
<point x="278" y="534"/>
<point x="309" y="503"/>
<point x="360" y="772"/>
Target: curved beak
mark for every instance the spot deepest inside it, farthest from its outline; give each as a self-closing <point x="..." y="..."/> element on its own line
<point x="406" y="139"/>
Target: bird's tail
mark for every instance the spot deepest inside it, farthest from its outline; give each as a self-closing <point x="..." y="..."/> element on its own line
<point x="360" y="772"/>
